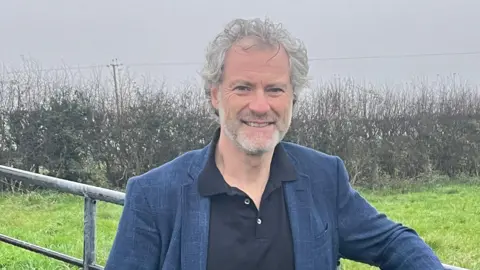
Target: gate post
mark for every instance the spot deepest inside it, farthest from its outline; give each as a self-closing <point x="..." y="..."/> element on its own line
<point x="90" y="209"/>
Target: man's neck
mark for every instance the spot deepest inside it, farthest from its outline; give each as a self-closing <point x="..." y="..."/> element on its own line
<point x="240" y="169"/>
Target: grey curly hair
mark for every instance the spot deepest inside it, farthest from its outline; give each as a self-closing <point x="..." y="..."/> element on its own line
<point x="264" y="31"/>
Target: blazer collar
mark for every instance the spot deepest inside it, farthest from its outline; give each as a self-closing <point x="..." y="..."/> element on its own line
<point x="195" y="229"/>
<point x="195" y="216"/>
<point x="299" y="207"/>
<point x="199" y="162"/>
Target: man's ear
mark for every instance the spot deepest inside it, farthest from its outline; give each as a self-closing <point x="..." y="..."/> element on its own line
<point x="214" y="97"/>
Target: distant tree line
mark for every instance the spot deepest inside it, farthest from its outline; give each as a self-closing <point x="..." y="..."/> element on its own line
<point x="85" y="130"/>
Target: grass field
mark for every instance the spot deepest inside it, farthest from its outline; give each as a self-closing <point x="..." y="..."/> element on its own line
<point x="447" y="217"/>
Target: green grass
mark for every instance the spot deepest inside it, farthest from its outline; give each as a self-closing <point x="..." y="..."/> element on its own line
<point x="447" y="217"/>
<point x="53" y="221"/>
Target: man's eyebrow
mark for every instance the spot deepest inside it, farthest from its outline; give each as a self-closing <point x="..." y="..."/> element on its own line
<point x="272" y="85"/>
<point x="275" y="85"/>
<point x="242" y="82"/>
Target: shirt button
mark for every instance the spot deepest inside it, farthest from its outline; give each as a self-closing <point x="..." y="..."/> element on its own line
<point x="247" y="201"/>
<point x="259" y="221"/>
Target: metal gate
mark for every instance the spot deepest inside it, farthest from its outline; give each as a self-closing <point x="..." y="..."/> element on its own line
<point x="91" y="195"/>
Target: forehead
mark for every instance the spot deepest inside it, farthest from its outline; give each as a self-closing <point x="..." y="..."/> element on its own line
<point x="251" y="58"/>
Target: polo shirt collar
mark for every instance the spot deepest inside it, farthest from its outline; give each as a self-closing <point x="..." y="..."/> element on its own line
<point x="211" y="181"/>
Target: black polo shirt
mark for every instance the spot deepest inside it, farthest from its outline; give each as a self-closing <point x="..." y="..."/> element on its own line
<point x="242" y="238"/>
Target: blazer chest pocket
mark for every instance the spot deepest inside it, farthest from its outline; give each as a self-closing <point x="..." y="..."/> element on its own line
<point x="321" y="233"/>
<point x="323" y="247"/>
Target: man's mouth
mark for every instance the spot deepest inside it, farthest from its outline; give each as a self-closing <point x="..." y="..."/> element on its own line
<point x="257" y="124"/>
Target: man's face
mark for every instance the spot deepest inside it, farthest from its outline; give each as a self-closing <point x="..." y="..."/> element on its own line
<point x="255" y="98"/>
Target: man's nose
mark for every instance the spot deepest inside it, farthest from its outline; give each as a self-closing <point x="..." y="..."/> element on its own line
<point x="259" y="102"/>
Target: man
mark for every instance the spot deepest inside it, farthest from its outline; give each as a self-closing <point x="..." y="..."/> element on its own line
<point x="248" y="200"/>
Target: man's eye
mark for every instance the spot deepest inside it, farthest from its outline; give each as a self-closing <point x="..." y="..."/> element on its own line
<point x="241" y="88"/>
<point x="276" y="89"/>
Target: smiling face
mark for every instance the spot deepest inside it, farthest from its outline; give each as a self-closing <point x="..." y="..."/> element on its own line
<point x="255" y="97"/>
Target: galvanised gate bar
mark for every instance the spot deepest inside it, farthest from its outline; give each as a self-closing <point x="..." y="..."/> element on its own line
<point x="91" y="195"/>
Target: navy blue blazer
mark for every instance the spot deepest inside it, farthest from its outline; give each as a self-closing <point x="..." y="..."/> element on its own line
<point x="165" y="222"/>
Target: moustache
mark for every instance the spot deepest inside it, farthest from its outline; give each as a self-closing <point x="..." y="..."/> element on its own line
<point x="251" y="117"/>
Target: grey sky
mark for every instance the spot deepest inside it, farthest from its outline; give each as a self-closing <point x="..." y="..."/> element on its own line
<point x="93" y="32"/>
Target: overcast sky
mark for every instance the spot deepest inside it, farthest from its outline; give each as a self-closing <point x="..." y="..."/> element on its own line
<point x="92" y="32"/>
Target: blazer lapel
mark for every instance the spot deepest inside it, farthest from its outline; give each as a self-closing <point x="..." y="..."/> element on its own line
<point x="298" y="202"/>
<point x="195" y="225"/>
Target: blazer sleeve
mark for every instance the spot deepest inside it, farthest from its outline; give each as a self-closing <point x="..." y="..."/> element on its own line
<point x="370" y="237"/>
<point x="137" y="242"/>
